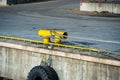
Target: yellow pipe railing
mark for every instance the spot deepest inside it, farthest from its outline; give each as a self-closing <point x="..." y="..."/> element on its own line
<point x="54" y="44"/>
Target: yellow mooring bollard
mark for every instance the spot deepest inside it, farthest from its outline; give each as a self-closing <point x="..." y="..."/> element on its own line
<point x="57" y="35"/>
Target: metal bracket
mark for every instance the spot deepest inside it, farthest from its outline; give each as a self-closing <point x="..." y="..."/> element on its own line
<point x="47" y="62"/>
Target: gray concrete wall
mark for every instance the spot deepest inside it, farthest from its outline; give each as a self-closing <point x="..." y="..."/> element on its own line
<point x="110" y="7"/>
<point x="17" y="60"/>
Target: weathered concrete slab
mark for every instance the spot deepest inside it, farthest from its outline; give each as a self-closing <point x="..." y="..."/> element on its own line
<point x="110" y="7"/>
<point x="62" y="54"/>
<point x="2" y="78"/>
<point x="17" y="60"/>
<point x="3" y="2"/>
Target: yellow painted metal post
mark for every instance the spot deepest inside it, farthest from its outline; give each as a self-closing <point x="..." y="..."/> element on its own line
<point x="46" y="40"/>
<point x="57" y="40"/>
<point x="58" y="35"/>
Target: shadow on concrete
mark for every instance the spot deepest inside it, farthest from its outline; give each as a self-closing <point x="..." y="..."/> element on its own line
<point x="79" y="43"/>
<point x="95" y="13"/>
<point x="13" y="2"/>
<point x="3" y="78"/>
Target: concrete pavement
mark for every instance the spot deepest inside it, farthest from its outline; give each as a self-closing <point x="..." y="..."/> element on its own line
<point x="24" y="20"/>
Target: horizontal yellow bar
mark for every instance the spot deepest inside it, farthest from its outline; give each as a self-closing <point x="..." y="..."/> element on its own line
<point x="55" y="44"/>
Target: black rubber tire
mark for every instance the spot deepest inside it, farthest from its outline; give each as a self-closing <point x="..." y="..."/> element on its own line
<point x="53" y="72"/>
<point x="42" y="73"/>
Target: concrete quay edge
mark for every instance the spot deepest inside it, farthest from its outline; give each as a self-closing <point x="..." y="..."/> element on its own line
<point x="62" y="54"/>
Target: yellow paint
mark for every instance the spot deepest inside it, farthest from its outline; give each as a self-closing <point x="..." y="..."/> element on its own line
<point x="58" y="35"/>
<point x="44" y="33"/>
<point x="48" y="42"/>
